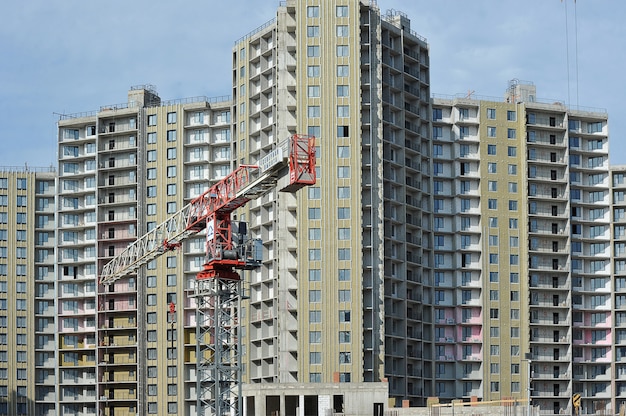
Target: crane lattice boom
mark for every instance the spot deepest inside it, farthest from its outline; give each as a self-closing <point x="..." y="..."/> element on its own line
<point x="245" y="183"/>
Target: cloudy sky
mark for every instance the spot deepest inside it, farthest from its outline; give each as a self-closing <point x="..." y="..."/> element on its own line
<point x="74" y="55"/>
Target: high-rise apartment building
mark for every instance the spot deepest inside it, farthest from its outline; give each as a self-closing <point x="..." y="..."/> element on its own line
<point x="123" y="170"/>
<point x="345" y="294"/>
<point x="459" y="248"/>
<point x="27" y="297"/>
<point x="522" y="247"/>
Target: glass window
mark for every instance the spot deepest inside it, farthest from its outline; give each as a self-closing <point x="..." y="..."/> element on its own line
<point x="342" y="70"/>
<point x="342" y="50"/>
<point x="343" y="111"/>
<point x="171" y="118"/>
<point x="342" y="31"/>
<point x="313" y="91"/>
<point x="313" y="71"/>
<point x="313" y="31"/>
<point x="313" y="11"/>
<point x="342" y="11"/>
<point x="313" y="51"/>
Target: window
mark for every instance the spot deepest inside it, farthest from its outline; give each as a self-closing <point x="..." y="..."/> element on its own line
<point x="512" y="205"/>
<point x="171" y="171"/>
<point x="344" y="275"/>
<point x="342" y="31"/>
<point x="315" y="357"/>
<point x="152" y="120"/>
<point x="313" y="71"/>
<point x="491" y="149"/>
<point x="344" y="295"/>
<point x="512" y="169"/>
<point x="152" y="156"/>
<point x="511" y="133"/>
<point x="171" y="135"/>
<point x="313" y="11"/>
<point x="344" y="337"/>
<point x="315" y="275"/>
<point x="315" y="337"/>
<point x="171" y="118"/>
<point x="342" y="71"/>
<point x="343" y="253"/>
<point x="343" y="172"/>
<point x="343" y="213"/>
<point x="343" y="192"/>
<point x="437" y="114"/>
<point x="313" y="31"/>
<point x="313" y="91"/>
<point x="314" y="192"/>
<point x="171" y="189"/>
<point x="315" y="296"/>
<point x="493" y="258"/>
<point x="152" y="138"/>
<point x="491" y="113"/>
<point x="492" y="204"/>
<point x="315" y="213"/>
<point x="494" y="277"/>
<point x="344" y="316"/>
<point x="171" y="153"/>
<point x="315" y="254"/>
<point x="343" y="111"/>
<point x="512" y="151"/>
<point x="343" y="234"/>
<point x="492" y="186"/>
<point x="342" y="11"/>
<point x="313" y="111"/>
<point x="511" y="115"/>
<point x="342" y="50"/>
<point x="313" y="51"/>
<point x="492" y="167"/>
<point x="343" y="91"/>
<point x="315" y="234"/>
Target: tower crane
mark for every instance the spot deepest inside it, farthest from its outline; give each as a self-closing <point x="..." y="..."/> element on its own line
<point x="228" y="249"/>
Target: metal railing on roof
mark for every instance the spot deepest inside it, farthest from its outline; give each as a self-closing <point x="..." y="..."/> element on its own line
<point x="255" y="31"/>
<point x="26" y="169"/>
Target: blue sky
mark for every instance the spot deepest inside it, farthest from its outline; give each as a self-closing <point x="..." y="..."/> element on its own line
<point x="75" y="55"/>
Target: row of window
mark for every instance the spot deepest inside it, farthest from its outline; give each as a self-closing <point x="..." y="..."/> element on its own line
<point x="341" y="31"/>
<point x="315" y="254"/>
<point x="315" y="295"/>
<point x="314" y="71"/>
<point x="314" y="111"/>
<point x="315" y="337"/>
<point x="314" y="11"/>
<point x="315" y="275"/>
<point x="464" y="114"/>
<point x="20" y="201"/>
<point x="345" y="357"/>
<point x="20" y="183"/>
<point x="492" y="167"/>
<point x="313" y="51"/>
<point x="464" y="131"/>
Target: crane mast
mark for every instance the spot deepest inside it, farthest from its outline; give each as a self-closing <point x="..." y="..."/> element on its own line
<point x="218" y="285"/>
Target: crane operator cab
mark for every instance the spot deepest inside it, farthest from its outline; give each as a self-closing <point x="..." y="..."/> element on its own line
<point x="246" y="251"/>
